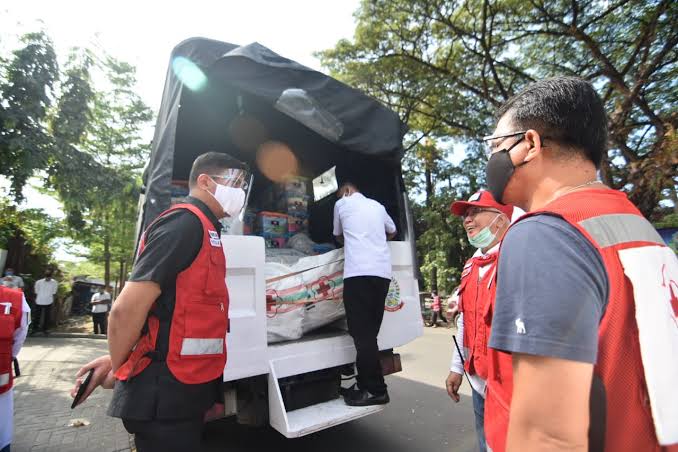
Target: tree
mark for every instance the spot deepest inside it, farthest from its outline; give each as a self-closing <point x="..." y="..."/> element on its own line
<point x="102" y="204"/>
<point x="445" y="67"/>
<point x="26" y="86"/>
<point x="85" y="141"/>
<point x="29" y="236"/>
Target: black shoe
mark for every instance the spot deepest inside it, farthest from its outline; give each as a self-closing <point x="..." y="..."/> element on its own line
<point x="350" y="391"/>
<point x="365" y="398"/>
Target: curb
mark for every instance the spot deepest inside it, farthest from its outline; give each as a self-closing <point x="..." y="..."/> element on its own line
<point x="70" y="336"/>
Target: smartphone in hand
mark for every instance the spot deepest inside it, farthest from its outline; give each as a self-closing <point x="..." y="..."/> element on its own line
<point x="82" y="388"/>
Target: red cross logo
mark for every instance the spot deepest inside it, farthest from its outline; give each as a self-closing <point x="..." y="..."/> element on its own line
<point x="323" y="289"/>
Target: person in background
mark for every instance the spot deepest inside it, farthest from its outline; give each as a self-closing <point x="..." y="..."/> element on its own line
<point x="45" y="290"/>
<point x="584" y="333"/>
<point x="12" y="280"/>
<point x="364" y="227"/>
<point x="101" y="302"/>
<point x="436" y="311"/>
<point x="14" y="320"/>
<point x="485" y="222"/>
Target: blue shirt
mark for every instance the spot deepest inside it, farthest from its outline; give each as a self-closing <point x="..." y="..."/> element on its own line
<point x="552" y="290"/>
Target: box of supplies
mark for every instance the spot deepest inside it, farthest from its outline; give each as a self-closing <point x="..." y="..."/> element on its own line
<point x="272" y="224"/>
<point x="296" y="186"/>
<point x="275" y="242"/>
<point x="296" y="225"/>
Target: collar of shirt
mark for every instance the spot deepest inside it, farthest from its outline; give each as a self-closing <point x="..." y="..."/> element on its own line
<point x="492" y="250"/>
<point x="206" y="210"/>
<point x="355" y="196"/>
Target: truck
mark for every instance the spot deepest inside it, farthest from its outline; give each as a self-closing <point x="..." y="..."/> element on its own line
<point x="283" y="118"/>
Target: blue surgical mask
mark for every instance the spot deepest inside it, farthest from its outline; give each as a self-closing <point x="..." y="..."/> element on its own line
<point x="485" y="237"/>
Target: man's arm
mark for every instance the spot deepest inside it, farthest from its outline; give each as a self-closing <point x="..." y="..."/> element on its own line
<point x="545" y="421"/>
<point x="337" y="229"/>
<point x="127" y="318"/>
<point x="389" y="225"/>
<point x="21" y="332"/>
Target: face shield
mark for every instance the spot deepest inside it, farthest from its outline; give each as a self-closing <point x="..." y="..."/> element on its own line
<point x="238" y="179"/>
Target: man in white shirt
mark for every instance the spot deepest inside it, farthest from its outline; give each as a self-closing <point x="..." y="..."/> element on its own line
<point x="45" y="290"/>
<point x="485" y="221"/>
<point x="364" y="227"/>
<point x="12" y="280"/>
<point x="7" y="397"/>
<point x="100" y="302"/>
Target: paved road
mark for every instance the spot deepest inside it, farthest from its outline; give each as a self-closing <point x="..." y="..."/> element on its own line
<point x="420" y="416"/>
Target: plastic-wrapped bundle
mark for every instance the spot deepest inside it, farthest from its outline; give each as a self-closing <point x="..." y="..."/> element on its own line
<point x="305" y="296"/>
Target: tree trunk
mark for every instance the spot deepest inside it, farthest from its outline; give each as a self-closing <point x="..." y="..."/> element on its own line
<point x="107" y="259"/>
<point x="429" y="186"/>
<point x="434" y="279"/>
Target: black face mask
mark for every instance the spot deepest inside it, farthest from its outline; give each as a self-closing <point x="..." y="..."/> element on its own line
<point x="498" y="172"/>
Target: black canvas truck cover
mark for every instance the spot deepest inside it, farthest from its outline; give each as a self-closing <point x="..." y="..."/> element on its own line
<point x="328" y="122"/>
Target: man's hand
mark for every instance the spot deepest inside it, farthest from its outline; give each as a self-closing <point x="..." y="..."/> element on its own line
<point x="103" y="376"/>
<point x="453" y="384"/>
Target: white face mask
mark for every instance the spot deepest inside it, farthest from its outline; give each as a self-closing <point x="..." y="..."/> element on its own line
<point x="230" y="199"/>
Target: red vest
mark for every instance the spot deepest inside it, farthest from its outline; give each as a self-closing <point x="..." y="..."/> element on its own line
<point x="475" y="297"/>
<point x="197" y="338"/>
<point x="10" y="321"/>
<point x="611" y="223"/>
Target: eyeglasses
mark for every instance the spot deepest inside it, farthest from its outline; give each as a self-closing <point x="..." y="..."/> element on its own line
<point x="490" y="141"/>
<point x="473" y="211"/>
<point x="236" y="178"/>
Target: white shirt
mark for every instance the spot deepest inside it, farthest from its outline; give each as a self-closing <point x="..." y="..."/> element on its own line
<point x="45" y="291"/>
<point x="364" y="224"/>
<point x="99" y="308"/>
<point x="7" y="399"/>
<point x="456" y="366"/>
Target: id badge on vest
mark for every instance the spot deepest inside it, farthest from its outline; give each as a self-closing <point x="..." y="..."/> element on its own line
<point x="215" y="240"/>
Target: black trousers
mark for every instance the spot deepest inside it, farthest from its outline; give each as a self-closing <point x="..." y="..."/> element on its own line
<point x="182" y="435"/>
<point x="437" y="315"/>
<point x="100" y="321"/>
<point x="42" y="316"/>
<point x="364" y="298"/>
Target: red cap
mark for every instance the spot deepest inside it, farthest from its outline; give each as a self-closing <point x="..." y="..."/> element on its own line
<point x="482" y="198"/>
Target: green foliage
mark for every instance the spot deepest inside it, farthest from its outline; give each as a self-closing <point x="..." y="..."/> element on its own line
<point x="668" y="221"/>
<point x="85" y="140"/>
<point x="446" y="66"/>
<point x="25" y="89"/>
<point x="34" y="226"/>
<point x="88" y="268"/>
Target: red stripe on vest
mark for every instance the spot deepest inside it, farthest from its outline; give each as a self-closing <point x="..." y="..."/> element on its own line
<point x="197" y="339"/>
<point x="629" y="423"/>
<point x="10" y="321"/>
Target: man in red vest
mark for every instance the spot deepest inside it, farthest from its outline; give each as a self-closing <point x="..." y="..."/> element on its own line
<point x="583" y="290"/>
<point x="167" y="377"/>
<point x="485" y="222"/>
<point x="14" y="320"/>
